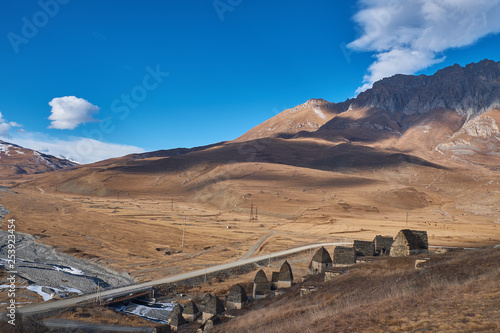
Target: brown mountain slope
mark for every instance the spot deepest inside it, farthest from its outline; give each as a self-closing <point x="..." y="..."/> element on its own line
<point x="16" y="161"/>
<point x="306" y="117"/>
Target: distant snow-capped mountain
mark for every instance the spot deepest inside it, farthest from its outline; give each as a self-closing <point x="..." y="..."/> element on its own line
<point x="16" y="160"/>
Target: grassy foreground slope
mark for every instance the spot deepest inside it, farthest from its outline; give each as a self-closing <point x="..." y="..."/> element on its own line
<point x="455" y="292"/>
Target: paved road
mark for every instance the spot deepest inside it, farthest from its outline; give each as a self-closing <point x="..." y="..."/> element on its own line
<point x="68" y="302"/>
<point x="256" y="246"/>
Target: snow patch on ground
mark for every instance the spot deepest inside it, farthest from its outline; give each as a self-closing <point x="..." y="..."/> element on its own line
<point x="39" y="291"/>
<point x="158" y="312"/>
<point x="69" y="270"/>
<point x="320" y="113"/>
<point x="42" y="291"/>
<point x="5" y="149"/>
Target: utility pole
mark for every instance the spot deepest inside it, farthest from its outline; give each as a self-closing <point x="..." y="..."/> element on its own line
<point x="407" y="212"/>
<point x="251" y="212"/>
<point x="172" y="205"/>
<point x="252" y="216"/>
<point x="183" y="231"/>
<point x="99" y="299"/>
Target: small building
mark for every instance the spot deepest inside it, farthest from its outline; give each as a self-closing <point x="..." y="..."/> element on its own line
<point x="409" y="242"/>
<point x="204" y="301"/>
<point x="191" y="312"/>
<point x="212" y="307"/>
<point x="382" y="245"/>
<point x="285" y="276"/>
<point x="320" y="262"/>
<point x="344" y="256"/>
<point x="261" y="285"/>
<point x="364" y="248"/>
<point x="237" y="298"/>
<point x="175" y="320"/>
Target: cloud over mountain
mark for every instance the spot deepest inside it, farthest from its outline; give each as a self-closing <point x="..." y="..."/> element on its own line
<point x="68" y="112"/>
<point x="5" y="126"/>
<point x="83" y="150"/>
<point x="408" y="36"/>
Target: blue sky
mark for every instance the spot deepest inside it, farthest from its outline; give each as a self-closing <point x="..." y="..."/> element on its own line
<point x="203" y="71"/>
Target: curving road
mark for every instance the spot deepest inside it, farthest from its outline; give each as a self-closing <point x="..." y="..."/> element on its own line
<point x="256" y="246"/>
<point x="68" y="302"/>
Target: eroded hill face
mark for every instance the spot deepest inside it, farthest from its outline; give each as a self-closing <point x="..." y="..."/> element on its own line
<point x="16" y="161"/>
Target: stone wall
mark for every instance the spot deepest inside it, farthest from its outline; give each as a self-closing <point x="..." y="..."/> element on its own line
<point x="317" y="268"/>
<point x="423" y="242"/>
<point x="344" y="256"/>
<point x="400" y="247"/>
<point x="334" y="273"/>
<point x="364" y="248"/>
<point x="383" y="245"/>
<point x="260" y="290"/>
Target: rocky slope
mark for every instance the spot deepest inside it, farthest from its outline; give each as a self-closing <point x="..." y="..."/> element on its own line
<point x="470" y="90"/>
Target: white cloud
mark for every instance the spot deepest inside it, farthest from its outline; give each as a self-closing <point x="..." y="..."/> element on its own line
<point x="411" y="35"/>
<point x="83" y="150"/>
<point x="68" y="112"/>
<point x="6" y="126"/>
<point x="80" y="149"/>
<point x="4" y="130"/>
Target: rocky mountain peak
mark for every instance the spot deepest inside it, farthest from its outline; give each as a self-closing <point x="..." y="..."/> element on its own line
<point x="470" y="90"/>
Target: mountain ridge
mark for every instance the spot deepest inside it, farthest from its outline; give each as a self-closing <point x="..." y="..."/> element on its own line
<point x="420" y="114"/>
<point x="404" y="112"/>
<point x="470" y="90"/>
<point x="16" y="161"/>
